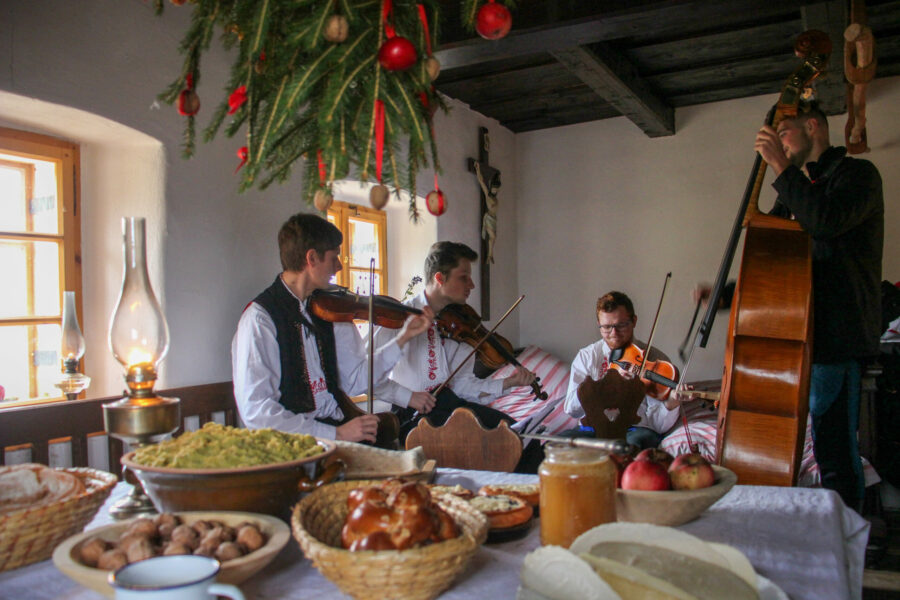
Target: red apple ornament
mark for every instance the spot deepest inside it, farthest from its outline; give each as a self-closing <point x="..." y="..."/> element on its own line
<point x="397" y="54"/>
<point x="645" y="475"/>
<point x="436" y="203"/>
<point x="493" y="21"/>
<point x="691" y="472"/>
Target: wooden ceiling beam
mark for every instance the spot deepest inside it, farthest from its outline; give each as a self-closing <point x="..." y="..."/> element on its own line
<point x="641" y="20"/>
<point x="832" y="18"/>
<point x="614" y="78"/>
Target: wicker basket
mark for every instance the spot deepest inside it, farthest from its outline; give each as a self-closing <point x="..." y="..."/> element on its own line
<point x="415" y="574"/>
<point x="30" y="535"/>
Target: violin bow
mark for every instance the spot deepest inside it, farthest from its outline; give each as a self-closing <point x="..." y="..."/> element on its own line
<point x="653" y="327"/>
<point x="370" y="403"/>
<point x="475" y="348"/>
<point x="684" y="421"/>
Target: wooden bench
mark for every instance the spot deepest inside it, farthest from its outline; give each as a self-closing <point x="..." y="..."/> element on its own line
<point x="62" y="432"/>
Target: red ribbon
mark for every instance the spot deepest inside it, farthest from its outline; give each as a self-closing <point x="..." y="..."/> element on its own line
<point x="189" y="81"/>
<point x="386" y="9"/>
<point x="424" y="20"/>
<point x="379" y="138"/>
<point x="242" y="153"/>
<point x="436" y="188"/>
<point x="237" y="99"/>
<point x="321" y="168"/>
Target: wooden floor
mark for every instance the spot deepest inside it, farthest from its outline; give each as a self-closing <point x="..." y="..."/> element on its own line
<point x="881" y="580"/>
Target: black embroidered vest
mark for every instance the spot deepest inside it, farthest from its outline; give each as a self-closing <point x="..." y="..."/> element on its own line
<point x="284" y="308"/>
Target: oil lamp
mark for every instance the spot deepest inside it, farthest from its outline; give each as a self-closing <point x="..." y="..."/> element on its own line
<point x="139" y="339"/>
<point x="72" y="382"/>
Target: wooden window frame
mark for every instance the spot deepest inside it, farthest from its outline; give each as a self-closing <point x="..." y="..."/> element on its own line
<point x="67" y="157"/>
<point x="342" y="212"/>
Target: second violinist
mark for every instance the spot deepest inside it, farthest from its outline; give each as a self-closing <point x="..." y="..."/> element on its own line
<point x="658" y="412"/>
<point x="430" y="360"/>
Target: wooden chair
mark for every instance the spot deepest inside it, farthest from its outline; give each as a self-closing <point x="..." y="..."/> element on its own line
<point x="463" y="443"/>
<point x="45" y="429"/>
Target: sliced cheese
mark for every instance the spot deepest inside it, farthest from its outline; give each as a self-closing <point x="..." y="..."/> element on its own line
<point x="737" y="562"/>
<point x="554" y="573"/>
<point x="699" y="578"/>
<point x="651" y="535"/>
<point x="634" y="584"/>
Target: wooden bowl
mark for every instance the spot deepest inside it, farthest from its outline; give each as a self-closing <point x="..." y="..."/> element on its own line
<point x="271" y="489"/>
<point x="672" y="507"/>
<point x="233" y="571"/>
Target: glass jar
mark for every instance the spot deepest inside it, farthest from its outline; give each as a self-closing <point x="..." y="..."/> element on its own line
<point x="578" y="492"/>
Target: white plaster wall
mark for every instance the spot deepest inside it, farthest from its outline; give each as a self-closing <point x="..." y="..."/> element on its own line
<point x="601" y="206"/>
<point x="457" y="136"/>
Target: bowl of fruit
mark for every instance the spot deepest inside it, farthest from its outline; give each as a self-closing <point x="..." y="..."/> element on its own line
<point x="661" y="489"/>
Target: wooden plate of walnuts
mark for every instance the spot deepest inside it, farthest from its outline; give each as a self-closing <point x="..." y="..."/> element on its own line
<point x="243" y="542"/>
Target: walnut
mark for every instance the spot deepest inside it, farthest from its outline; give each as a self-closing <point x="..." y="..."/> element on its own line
<point x="176" y="548"/>
<point x="228" y="551"/>
<point x="91" y="550"/>
<point x="140" y="549"/>
<point x="112" y="560"/>
<point x="186" y="535"/>
<point x="250" y="538"/>
<point x="166" y="524"/>
<point x="143" y="526"/>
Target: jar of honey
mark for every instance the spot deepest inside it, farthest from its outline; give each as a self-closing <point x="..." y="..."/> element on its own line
<point x="578" y="492"/>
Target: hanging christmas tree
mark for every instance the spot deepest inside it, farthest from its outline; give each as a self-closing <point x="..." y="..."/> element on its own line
<point x="343" y="86"/>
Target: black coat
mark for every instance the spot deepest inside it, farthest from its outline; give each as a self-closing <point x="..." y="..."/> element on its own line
<point x="842" y="208"/>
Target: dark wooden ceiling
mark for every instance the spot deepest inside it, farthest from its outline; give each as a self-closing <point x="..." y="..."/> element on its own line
<point x="571" y="61"/>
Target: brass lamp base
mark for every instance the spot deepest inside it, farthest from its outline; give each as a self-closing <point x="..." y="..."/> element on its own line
<point x="140" y="421"/>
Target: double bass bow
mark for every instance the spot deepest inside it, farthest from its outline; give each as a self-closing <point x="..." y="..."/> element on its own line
<point x="765" y="387"/>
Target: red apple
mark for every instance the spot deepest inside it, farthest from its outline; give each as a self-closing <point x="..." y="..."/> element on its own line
<point x="621" y="461"/>
<point x="655" y="455"/>
<point x="691" y="472"/>
<point x="645" y="475"/>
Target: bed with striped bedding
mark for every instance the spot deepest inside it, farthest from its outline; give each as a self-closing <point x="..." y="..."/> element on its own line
<point x="554" y="373"/>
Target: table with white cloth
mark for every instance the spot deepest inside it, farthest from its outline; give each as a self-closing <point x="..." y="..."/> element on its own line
<point x="803" y="540"/>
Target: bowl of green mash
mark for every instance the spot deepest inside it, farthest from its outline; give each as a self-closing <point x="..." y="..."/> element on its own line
<point x="219" y="467"/>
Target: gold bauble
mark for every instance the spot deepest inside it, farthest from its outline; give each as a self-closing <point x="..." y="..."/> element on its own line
<point x="322" y="200"/>
<point x="432" y="67"/>
<point x="336" y="29"/>
<point x="378" y="196"/>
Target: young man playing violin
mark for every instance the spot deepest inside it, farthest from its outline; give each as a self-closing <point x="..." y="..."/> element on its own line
<point x="292" y="370"/>
<point x="616" y="319"/>
<point x="429" y="360"/>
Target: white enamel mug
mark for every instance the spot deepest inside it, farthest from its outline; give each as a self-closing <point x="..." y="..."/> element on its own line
<point x="178" y="577"/>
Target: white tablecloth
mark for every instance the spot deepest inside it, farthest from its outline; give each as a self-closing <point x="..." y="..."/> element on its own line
<point x="804" y="540"/>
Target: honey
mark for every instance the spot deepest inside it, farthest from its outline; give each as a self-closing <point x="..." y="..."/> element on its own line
<point x="578" y="492"/>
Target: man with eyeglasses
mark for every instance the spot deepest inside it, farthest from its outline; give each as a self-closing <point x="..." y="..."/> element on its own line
<point x="616" y="320"/>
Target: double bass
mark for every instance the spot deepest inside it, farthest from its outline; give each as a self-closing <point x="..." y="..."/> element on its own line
<point x="764" y="401"/>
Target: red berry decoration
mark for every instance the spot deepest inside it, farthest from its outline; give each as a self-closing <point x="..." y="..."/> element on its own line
<point x="397" y="54"/>
<point x="188" y="103"/>
<point x="493" y="21"/>
<point x="436" y="203"/>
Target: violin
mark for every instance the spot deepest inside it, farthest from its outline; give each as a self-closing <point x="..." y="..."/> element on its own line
<point x="462" y="324"/>
<point x="658" y="376"/>
<point x="340" y="305"/>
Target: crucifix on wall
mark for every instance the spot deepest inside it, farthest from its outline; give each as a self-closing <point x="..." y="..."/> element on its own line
<point x="489" y="181"/>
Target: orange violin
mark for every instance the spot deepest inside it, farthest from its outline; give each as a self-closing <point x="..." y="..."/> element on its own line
<point x="658" y="376"/>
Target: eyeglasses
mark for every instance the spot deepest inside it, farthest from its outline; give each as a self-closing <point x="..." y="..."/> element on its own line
<point x="617" y="326"/>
